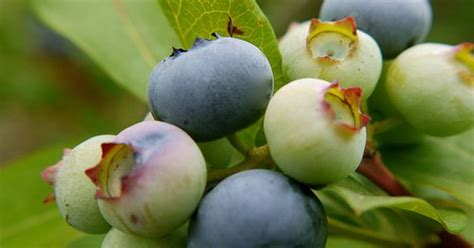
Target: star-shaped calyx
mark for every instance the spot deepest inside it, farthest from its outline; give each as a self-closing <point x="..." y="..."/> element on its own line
<point x="332" y="41"/>
<point x="343" y="107"/>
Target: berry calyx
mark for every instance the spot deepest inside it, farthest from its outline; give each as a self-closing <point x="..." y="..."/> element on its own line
<point x="111" y="175"/>
<point x="324" y="47"/>
<point x="343" y="104"/>
<point x="464" y="53"/>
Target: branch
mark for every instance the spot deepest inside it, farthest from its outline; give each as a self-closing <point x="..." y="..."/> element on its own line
<point x="449" y="240"/>
<point x="373" y="168"/>
<point x="257" y="158"/>
<point x="239" y="144"/>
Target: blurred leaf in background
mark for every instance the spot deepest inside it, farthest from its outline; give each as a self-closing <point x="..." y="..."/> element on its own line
<point x="445" y="164"/>
<point x="51" y="92"/>
<point x="125" y="38"/>
<point x="25" y="220"/>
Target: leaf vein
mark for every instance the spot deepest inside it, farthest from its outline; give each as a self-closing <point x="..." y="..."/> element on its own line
<point x="133" y="33"/>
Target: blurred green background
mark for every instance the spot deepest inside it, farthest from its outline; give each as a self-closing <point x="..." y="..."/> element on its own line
<point x="52" y="93"/>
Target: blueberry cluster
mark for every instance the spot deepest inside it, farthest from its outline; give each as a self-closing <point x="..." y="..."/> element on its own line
<point x="148" y="186"/>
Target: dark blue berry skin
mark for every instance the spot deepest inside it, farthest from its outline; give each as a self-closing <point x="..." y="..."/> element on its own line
<point x="258" y="208"/>
<point x="215" y="89"/>
<point x="395" y="24"/>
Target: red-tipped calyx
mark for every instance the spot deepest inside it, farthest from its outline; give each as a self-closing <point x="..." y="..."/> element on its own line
<point x="110" y="174"/>
<point x="49" y="174"/>
<point x="331" y="41"/>
<point x="343" y="105"/>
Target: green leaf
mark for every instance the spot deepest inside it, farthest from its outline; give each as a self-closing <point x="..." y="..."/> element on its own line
<point x="338" y="242"/>
<point x="442" y="163"/>
<point x="358" y="209"/>
<point x="192" y="19"/>
<point x="87" y="241"/>
<point x="25" y="221"/>
<point x="126" y="38"/>
<point x="454" y="220"/>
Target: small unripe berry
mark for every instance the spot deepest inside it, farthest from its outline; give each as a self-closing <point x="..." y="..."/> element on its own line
<point x="73" y="190"/>
<point x="432" y="86"/>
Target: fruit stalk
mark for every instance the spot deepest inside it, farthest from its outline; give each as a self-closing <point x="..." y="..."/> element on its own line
<point x="373" y="168"/>
<point x="258" y="157"/>
<point x="239" y="144"/>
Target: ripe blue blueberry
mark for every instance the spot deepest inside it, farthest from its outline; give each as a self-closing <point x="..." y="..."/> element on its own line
<point x="258" y="208"/>
<point x="215" y="89"/>
<point x="395" y="25"/>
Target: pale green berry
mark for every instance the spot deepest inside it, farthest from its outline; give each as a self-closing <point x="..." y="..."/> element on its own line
<point x="432" y="86"/>
<point x="118" y="239"/>
<point x="150" y="179"/>
<point x="73" y="190"/>
<point x="315" y="131"/>
<point x="399" y="132"/>
<point x="332" y="51"/>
